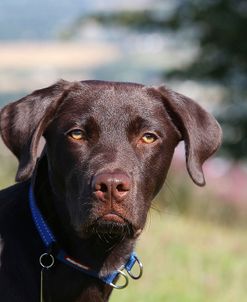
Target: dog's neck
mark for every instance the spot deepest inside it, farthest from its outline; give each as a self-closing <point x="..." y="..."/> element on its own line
<point x="103" y="254"/>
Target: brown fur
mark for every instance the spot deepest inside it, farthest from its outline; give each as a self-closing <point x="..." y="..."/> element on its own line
<point x="95" y="192"/>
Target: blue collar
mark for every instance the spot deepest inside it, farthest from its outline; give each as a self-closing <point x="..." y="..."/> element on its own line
<point x="49" y="240"/>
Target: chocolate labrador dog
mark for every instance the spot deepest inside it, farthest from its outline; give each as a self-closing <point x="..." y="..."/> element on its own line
<point x="68" y="227"/>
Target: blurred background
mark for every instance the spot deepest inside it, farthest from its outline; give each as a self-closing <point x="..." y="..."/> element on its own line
<point x="194" y="246"/>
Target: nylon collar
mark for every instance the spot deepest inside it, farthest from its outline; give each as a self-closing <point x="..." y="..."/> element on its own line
<point x="49" y="240"/>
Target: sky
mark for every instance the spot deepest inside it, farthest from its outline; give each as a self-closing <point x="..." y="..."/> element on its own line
<point x="43" y="20"/>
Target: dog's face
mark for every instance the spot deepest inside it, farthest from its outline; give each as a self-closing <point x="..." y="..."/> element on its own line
<point x="109" y="146"/>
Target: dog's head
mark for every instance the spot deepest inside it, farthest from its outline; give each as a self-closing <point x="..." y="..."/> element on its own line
<point x="109" y="146"/>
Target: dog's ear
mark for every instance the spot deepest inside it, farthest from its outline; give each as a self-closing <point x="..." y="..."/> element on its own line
<point x="199" y="130"/>
<point x="23" y="122"/>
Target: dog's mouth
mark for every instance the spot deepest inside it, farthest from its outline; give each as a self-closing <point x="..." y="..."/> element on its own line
<point x="113" y="217"/>
<point x="112" y="225"/>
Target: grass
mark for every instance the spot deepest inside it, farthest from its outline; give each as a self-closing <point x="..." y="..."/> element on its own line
<point x="186" y="260"/>
<point x="8" y="166"/>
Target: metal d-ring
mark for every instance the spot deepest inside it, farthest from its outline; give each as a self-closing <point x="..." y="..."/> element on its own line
<point x="126" y="281"/>
<point x="140" y="267"/>
<point x="46" y="260"/>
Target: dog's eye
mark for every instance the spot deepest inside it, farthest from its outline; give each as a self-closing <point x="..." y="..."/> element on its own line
<point x="76" y="134"/>
<point x="148" y="138"/>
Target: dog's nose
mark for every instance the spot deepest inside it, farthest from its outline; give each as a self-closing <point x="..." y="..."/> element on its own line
<point x="111" y="186"/>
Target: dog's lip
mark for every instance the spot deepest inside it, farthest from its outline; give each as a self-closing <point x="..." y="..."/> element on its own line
<point x="113" y="217"/>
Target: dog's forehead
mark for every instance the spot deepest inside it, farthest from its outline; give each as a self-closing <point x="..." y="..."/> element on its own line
<point x="111" y="99"/>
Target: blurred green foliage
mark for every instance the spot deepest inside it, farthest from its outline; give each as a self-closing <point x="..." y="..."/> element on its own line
<point x="219" y="29"/>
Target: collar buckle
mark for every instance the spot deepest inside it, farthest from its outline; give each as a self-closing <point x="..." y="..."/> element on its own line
<point x="46" y="260"/>
<point x="124" y="277"/>
<point x="134" y="260"/>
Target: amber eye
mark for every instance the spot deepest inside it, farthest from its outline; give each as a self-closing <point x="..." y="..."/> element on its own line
<point x="148" y="138"/>
<point x="76" y="134"/>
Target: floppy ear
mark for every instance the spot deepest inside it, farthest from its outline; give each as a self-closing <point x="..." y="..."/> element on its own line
<point x="199" y="130"/>
<point x="23" y="122"/>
